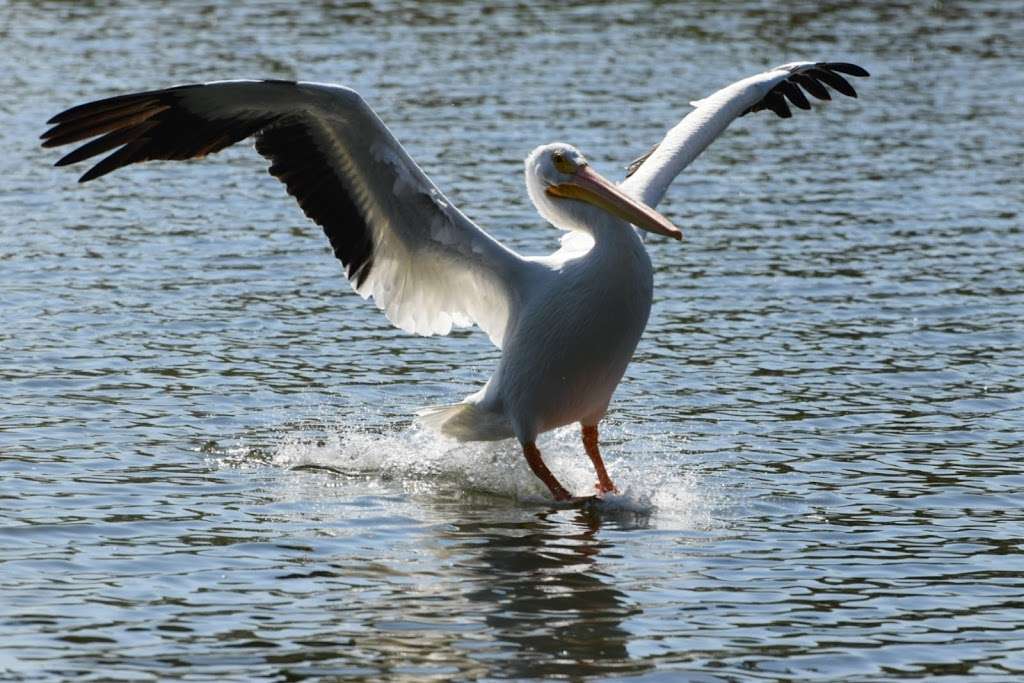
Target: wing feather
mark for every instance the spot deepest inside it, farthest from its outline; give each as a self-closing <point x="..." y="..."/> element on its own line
<point x="649" y="176"/>
<point x="399" y="238"/>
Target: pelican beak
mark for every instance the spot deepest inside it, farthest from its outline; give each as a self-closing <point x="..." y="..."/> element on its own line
<point x="590" y="186"/>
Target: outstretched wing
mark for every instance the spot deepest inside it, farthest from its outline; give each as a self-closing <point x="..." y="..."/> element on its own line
<point x="425" y="264"/>
<point x="649" y="176"/>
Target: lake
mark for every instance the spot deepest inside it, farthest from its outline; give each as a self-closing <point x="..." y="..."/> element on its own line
<point x="208" y="460"/>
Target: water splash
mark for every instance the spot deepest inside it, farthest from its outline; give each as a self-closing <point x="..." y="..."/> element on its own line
<point x="419" y="461"/>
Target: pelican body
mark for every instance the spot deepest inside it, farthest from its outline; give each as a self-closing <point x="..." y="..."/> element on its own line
<point x="578" y="319"/>
<point x="567" y="324"/>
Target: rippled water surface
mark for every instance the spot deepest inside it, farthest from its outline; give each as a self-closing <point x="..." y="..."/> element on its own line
<point x="208" y="464"/>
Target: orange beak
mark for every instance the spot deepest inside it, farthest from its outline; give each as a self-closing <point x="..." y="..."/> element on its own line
<point x="590" y="186"/>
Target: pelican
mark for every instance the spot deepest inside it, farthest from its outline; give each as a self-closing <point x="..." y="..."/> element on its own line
<point x="566" y="324"/>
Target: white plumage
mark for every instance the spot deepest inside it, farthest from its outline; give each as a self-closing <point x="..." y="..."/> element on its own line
<point x="567" y="323"/>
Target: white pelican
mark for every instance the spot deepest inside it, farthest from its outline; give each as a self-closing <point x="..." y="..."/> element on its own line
<point x="567" y="324"/>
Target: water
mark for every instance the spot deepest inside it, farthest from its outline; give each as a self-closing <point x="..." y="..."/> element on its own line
<point x="208" y="463"/>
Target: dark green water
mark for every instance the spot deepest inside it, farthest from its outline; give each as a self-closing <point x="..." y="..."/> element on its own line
<point x="207" y="465"/>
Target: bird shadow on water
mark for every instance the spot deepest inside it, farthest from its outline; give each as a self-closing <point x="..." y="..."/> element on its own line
<point x="416" y="462"/>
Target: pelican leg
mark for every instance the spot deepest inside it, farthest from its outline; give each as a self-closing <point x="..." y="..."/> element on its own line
<point x="604" y="483"/>
<point x="533" y="458"/>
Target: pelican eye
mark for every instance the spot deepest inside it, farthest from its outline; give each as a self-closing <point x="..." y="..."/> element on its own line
<point x="562" y="164"/>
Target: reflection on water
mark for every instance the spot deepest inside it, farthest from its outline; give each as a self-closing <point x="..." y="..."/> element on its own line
<point x="205" y="446"/>
<point x="543" y="591"/>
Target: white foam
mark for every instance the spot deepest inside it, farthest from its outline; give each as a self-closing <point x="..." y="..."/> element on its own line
<point x="655" y="481"/>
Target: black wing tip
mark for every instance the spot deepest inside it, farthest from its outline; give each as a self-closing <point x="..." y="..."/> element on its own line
<point x="71" y="113"/>
<point x="822" y="73"/>
<point x="94" y="106"/>
<point x="156" y="124"/>
<point x="794" y="95"/>
<point x="88" y="108"/>
<point x="847" y="68"/>
<point x="813" y="79"/>
<point x="100" y="169"/>
<point x="93" y="173"/>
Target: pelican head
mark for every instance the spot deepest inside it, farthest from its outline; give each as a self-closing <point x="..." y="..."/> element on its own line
<point x="567" y="191"/>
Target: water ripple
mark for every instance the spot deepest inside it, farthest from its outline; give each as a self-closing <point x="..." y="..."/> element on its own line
<point x="206" y="452"/>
